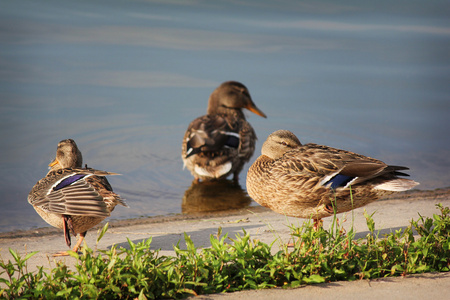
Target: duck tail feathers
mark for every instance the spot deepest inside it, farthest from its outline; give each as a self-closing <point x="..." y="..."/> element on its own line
<point x="397" y="185"/>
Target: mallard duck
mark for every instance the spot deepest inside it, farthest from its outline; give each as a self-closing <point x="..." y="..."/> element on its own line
<point x="219" y="143"/>
<point x="73" y="198"/>
<point x="314" y="181"/>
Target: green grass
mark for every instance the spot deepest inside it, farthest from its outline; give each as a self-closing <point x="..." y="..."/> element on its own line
<point x="234" y="264"/>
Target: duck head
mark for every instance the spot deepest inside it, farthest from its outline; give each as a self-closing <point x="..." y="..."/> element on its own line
<point x="67" y="156"/>
<point x="278" y="143"/>
<point x="230" y="98"/>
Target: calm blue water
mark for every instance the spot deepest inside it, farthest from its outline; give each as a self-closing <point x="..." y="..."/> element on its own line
<point x="125" y="78"/>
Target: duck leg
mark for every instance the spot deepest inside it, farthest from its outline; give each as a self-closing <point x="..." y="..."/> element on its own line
<point x="80" y="240"/>
<point x="66" y="228"/>
<point x="236" y="177"/>
<point x="75" y="249"/>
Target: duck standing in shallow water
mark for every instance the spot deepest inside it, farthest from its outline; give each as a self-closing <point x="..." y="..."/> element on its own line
<point x="314" y="181"/>
<point x="72" y="198"/>
<point x="219" y="143"/>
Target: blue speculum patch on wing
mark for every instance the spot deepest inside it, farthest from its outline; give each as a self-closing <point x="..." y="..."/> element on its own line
<point x="232" y="141"/>
<point x="339" y="181"/>
<point x="68" y="181"/>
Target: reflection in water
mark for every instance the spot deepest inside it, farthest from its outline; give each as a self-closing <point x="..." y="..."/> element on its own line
<point x="214" y="196"/>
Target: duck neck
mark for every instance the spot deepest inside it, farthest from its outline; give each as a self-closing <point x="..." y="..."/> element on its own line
<point x="226" y="112"/>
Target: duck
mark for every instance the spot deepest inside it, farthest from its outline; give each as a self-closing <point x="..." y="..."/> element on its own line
<point x="219" y="143"/>
<point x="73" y="198"/>
<point x="316" y="181"/>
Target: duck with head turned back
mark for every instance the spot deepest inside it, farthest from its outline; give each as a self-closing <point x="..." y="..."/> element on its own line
<point x="314" y="181"/>
<point x="218" y="144"/>
<point x="73" y="198"/>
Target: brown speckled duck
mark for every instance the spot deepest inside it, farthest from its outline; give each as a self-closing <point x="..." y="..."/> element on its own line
<point x="219" y="143"/>
<point x="313" y="181"/>
<point x="72" y="198"/>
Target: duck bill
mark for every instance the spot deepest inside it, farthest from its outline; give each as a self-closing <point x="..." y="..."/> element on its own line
<point x="54" y="162"/>
<point x="252" y="107"/>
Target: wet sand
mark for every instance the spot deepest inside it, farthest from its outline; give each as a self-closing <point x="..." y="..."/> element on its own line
<point x="391" y="214"/>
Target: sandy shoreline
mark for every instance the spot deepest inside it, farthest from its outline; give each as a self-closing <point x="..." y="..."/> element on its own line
<point x="389" y="214"/>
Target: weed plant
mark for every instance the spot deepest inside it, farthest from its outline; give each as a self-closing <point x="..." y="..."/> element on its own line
<point x="234" y="264"/>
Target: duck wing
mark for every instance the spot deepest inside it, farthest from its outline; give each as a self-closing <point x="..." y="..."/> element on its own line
<point x="247" y="140"/>
<point x="339" y="168"/>
<point x="70" y="192"/>
<point x="215" y="146"/>
<point x="209" y="133"/>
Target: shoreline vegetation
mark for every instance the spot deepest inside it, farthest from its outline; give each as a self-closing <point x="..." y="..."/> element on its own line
<point x="235" y="263"/>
